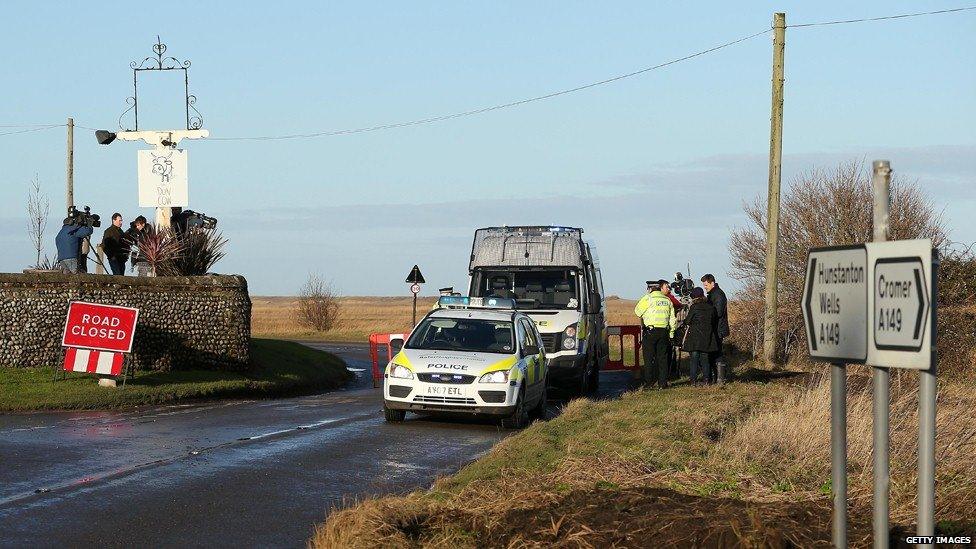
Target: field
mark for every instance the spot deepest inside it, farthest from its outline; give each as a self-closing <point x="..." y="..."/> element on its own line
<point x="360" y="316"/>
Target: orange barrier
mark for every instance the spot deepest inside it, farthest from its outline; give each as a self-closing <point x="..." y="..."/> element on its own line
<point x="621" y="332"/>
<point x="393" y="343"/>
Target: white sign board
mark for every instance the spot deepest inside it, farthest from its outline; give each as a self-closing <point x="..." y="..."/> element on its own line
<point x="835" y="303"/>
<point x="163" y="178"/>
<point x="901" y="304"/>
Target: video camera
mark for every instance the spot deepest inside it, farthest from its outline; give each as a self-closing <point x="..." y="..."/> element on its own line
<point x="83" y="218"/>
<point x="189" y="219"/>
<point x="682" y="286"/>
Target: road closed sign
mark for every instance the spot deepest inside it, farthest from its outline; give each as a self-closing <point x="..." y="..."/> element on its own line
<point x="901" y="302"/>
<point x="835" y="303"/>
<point x="100" y="327"/>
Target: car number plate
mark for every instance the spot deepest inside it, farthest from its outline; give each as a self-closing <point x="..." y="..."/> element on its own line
<point x="445" y="391"/>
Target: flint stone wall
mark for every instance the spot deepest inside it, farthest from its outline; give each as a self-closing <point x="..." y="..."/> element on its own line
<point x="184" y="322"/>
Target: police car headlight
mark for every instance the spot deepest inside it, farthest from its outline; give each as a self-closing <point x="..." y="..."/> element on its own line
<point x="495" y="377"/>
<point x="569" y="343"/>
<point x="400" y="372"/>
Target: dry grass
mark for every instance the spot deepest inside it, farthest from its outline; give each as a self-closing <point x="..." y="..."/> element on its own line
<point x="789" y="440"/>
<point x="360" y="316"/>
<point x="751" y="460"/>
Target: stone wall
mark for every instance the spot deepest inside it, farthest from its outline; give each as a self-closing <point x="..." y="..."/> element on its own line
<point x="184" y="322"/>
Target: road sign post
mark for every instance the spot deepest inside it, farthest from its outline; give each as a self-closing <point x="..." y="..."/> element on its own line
<point x="875" y="304"/>
<point x="415" y="279"/>
<point x="881" y="185"/>
<point x="835" y="311"/>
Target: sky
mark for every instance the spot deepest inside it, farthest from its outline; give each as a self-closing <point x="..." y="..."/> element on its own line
<point x="655" y="168"/>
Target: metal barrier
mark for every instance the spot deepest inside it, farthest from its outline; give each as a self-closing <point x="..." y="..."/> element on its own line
<point x="392" y="343"/>
<point x="620" y="333"/>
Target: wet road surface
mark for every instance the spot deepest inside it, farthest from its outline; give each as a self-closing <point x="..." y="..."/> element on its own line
<point x="255" y="473"/>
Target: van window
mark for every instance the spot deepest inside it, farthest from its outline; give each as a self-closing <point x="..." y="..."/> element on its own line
<point x="542" y="289"/>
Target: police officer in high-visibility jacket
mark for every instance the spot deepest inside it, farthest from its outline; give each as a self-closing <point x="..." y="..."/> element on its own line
<point x="657" y="317"/>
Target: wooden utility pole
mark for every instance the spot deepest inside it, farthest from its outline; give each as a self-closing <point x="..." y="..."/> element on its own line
<point x="70" y="174"/>
<point x="775" y="176"/>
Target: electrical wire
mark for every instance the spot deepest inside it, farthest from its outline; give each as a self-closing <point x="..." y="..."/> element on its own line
<point x="28" y="125"/>
<point x="883" y="18"/>
<point x="34" y="129"/>
<point x="493" y="107"/>
<point x="519" y="102"/>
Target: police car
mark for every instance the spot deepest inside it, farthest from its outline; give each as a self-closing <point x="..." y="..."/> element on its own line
<point x="470" y="355"/>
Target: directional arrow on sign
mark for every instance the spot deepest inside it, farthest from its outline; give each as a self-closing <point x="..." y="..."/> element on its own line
<point x="901" y="304"/>
<point x="835" y="303"/>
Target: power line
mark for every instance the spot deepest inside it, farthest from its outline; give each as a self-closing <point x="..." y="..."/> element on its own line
<point x="883" y="18"/>
<point x="36" y="129"/>
<point x="430" y="120"/>
<point x="493" y="107"/>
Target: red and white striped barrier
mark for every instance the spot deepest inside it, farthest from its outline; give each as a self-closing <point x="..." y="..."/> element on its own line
<point x="93" y="362"/>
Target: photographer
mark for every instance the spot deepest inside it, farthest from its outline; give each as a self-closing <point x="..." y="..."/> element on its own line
<point x="138" y="230"/>
<point x="115" y="246"/>
<point x="68" y="242"/>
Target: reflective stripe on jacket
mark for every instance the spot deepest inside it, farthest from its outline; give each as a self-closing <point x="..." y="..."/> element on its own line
<point x="656" y="311"/>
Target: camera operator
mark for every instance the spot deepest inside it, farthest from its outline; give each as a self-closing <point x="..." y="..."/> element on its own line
<point x="115" y="246"/>
<point x="68" y="242"/>
<point x="138" y="230"/>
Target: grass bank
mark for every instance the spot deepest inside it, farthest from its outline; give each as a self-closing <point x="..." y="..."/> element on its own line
<point x="747" y="465"/>
<point x="278" y="368"/>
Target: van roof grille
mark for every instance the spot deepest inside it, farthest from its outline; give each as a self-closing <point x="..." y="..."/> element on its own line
<point x="527" y="246"/>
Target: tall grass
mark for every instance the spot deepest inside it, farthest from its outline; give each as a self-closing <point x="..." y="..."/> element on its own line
<point x="789" y="440"/>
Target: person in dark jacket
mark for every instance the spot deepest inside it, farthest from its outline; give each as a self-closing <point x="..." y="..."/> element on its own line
<point x="138" y="229"/>
<point x="700" y="337"/>
<point x="68" y="242"/>
<point x="115" y="245"/>
<point x="718" y="299"/>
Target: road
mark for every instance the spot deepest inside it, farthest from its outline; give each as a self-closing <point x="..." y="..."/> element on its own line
<point x="241" y="472"/>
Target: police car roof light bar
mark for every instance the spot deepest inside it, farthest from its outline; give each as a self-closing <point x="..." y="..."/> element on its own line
<point x="464" y="302"/>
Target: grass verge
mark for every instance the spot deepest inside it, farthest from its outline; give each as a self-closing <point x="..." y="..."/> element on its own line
<point x="278" y="368"/>
<point x="747" y="464"/>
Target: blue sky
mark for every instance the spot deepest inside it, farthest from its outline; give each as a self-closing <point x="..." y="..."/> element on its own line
<point x="655" y="167"/>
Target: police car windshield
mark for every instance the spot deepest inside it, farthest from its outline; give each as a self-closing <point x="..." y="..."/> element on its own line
<point x="463" y="334"/>
<point x="542" y="289"/>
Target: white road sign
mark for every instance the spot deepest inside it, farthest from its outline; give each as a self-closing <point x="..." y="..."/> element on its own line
<point x="900" y="301"/>
<point x="163" y="178"/>
<point x="835" y="303"/>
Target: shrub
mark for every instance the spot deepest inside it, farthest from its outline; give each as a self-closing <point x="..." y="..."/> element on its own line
<point x="318" y="305"/>
<point x="821" y="208"/>
<point x="192" y="253"/>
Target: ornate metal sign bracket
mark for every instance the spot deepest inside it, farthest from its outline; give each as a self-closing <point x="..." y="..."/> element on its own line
<point x="158" y="62"/>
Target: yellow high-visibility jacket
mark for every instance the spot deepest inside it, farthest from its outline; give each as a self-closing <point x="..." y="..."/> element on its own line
<point x="656" y="311"/>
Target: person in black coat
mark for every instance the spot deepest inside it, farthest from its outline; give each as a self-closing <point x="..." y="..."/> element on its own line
<point x="701" y="338"/>
<point x="115" y="245"/>
<point x="718" y="299"/>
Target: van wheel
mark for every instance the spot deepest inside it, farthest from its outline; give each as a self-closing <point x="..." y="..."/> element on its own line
<point x="394" y="416"/>
<point x="520" y="417"/>
<point x="540" y="408"/>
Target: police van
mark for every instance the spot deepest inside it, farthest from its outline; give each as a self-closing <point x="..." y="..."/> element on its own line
<point x="554" y="275"/>
<point x="470" y="356"/>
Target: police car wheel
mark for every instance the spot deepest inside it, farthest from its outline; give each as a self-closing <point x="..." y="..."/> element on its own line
<point x="394" y="416"/>
<point x="519" y="417"/>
